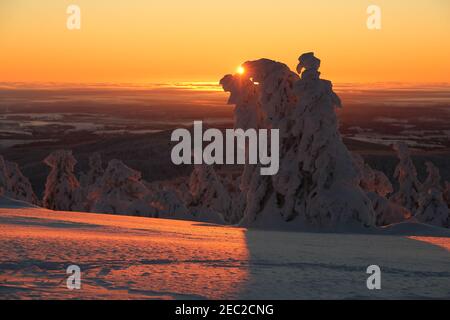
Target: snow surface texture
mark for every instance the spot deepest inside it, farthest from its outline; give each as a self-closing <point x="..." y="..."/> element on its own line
<point x="140" y="258"/>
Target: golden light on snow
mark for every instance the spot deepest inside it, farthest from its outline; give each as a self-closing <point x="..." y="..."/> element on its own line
<point x="155" y="258"/>
<point x="240" y="70"/>
<point x="441" y="242"/>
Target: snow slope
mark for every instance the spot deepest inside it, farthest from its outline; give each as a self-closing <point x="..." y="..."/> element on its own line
<point x="125" y="257"/>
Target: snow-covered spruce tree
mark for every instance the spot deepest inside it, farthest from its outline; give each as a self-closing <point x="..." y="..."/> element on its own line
<point x="372" y="180"/>
<point x="62" y="189"/>
<point x="14" y="184"/>
<point x="209" y="195"/>
<point x="20" y="187"/>
<point x="333" y="196"/>
<point x="447" y="193"/>
<point x="263" y="97"/>
<point x="90" y="181"/>
<point x="95" y="171"/>
<point x="406" y="174"/>
<point x="4" y="183"/>
<point x="433" y="180"/>
<point x="244" y="95"/>
<point x="433" y="209"/>
<point x="121" y="191"/>
<point x="377" y="186"/>
<point x="232" y="185"/>
<point x="317" y="183"/>
<point x="166" y="204"/>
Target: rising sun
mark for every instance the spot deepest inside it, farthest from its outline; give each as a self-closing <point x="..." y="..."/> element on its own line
<point x="240" y="70"/>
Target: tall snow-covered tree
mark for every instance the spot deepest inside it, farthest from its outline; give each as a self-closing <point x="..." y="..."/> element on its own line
<point x="406" y="174"/>
<point x="14" y="184"/>
<point x="334" y="196"/>
<point x="317" y="182"/>
<point x="264" y="98"/>
<point x="62" y="189"/>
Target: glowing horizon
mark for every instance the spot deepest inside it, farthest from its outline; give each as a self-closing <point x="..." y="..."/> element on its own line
<point x="190" y="41"/>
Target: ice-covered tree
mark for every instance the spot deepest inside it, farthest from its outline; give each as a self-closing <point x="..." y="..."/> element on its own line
<point x="263" y="96"/>
<point x="433" y="209"/>
<point x="334" y="196"/>
<point x="95" y="171"/>
<point x="386" y="211"/>
<point x="121" y="191"/>
<point x="20" y="186"/>
<point x="447" y="193"/>
<point x="244" y="95"/>
<point x="317" y="182"/>
<point x="406" y="174"/>
<point x="62" y="189"/>
<point x="14" y="184"/>
<point x="208" y="192"/>
<point x="4" y="182"/>
<point x="377" y="186"/>
<point x="433" y="180"/>
<point x="90" y="181"/>
<point x="372" y="180"/>
<point x="166" y="202"/>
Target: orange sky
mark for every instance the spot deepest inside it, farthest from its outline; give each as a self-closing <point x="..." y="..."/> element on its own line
<point x="200" y="40"/>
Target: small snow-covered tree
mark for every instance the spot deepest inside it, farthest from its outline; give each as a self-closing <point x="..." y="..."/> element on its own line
<point x="20" y="186"/>
<point x="95" y="171"/>
<point x="89" y="181"/>
<point x="121" y="191"/>
<point x="406" y="174"/>
<point x="208" y="192"/>
<point x="14" y="184"/>
<point x="372" y="180"/>
<point x="447" y="193"/>
<point x="166" y="203"/>
<point x="4" y="181"/>
<point x="433" y="180"/>
<point x="232" y="186"/>
<point x="433" y="209"/>
<point x="377" y="186"/>
<point x="62" y="189"/>
<point x="386" y="211"/>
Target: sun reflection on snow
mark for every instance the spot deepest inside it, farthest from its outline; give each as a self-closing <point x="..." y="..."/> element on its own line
<point x="436" y="241"/>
